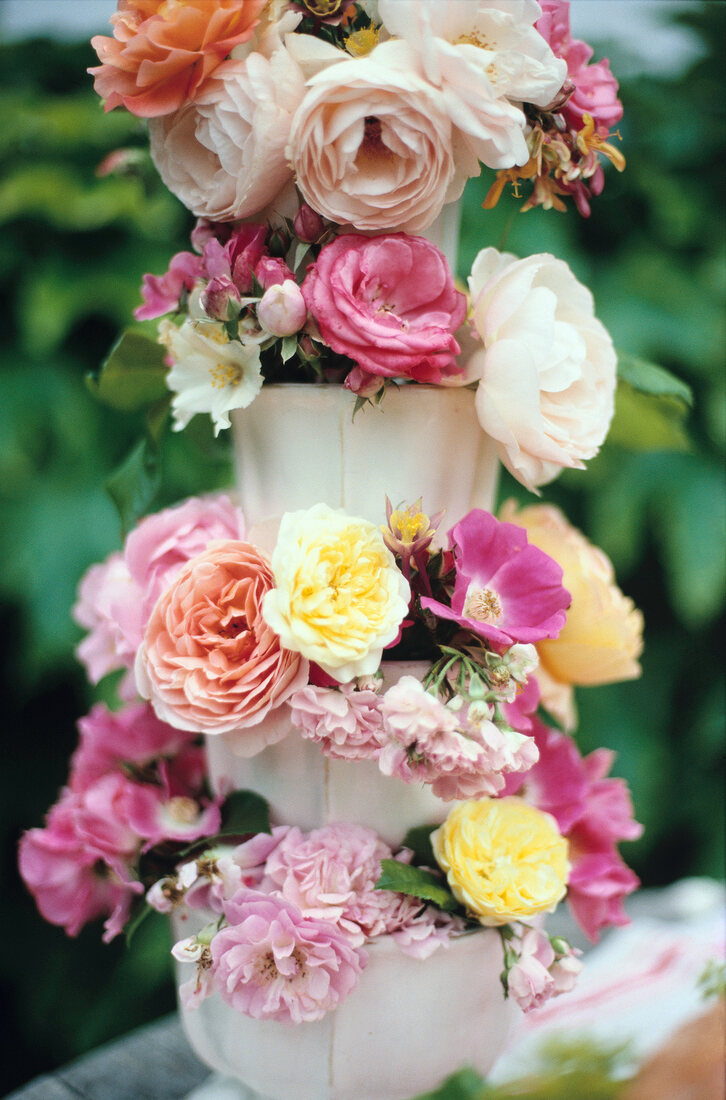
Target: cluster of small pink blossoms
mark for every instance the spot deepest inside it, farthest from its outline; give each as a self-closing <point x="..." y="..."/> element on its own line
<point x="295" y="911"/>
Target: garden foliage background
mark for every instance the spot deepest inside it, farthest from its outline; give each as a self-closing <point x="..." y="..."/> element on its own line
<point x="73" y="247"/>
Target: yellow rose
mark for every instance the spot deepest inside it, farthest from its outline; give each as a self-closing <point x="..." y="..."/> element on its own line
<point x="504" y="859"/>
<point x="339" y="597"/>
<point x="603" y="637"/>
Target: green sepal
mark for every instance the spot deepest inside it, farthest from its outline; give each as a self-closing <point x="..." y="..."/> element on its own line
<point x="133" y="375"/>
<point x="288" y="347"/>
<point x="414" y="881"/>
<point x="464" y="1085"/>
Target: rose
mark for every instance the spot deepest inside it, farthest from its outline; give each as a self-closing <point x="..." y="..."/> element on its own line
<point x="603" y="637"/>
<point x="546" y="367"/>
<point x="339" y="598"/>
<point x="371" y="145"/>
<point x="282" y="310"/>
<point x="223" y="155"/>
<point x="209" y="662"/>
<point x="389" y="303"/>
<point x="504" y="859"/>
<point x="162" y="54"/>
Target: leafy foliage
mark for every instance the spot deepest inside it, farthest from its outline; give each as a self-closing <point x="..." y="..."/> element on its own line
<point x="416" y="882"/>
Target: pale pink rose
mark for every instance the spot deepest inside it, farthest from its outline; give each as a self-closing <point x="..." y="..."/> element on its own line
<point x="345" y="722"/>
<point x="273" y="963"/>
<point x="161" y="293"/>
<point x="529" y="981"/>
<point x="78" y="866"/>
<point x="331" y="874"/>
<point x="162" y="54"/>
<point x="109" y="607"/>
<point x="162" y="543"/>
<point x="596" y="89"/>
<point x="426" y="931"/>
<point x="223" y="155"/>
<point x="133" y="735"/>
<point x="209" y="661"/>
<point x="565" y="971"/>
<point x="546" y="366"/>
<point x="485" y="59"/>
<point x="389" y="304"/>
<point x="372" y="146"/>
<point x="282" y="310"/>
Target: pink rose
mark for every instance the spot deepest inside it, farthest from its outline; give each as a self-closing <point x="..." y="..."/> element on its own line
<point x="271" y="271"/>
<point x="345" y="722"/>
<point x="506" y="589"/>
<point x="273" y="963"/>
<point x="162" y="543"/>
<point x="389" y="303"/>
<point x="133" y="735"/>
<point x="282" y="310"/>
<point x="209" y="662"/>
<point x="109" y="607"/>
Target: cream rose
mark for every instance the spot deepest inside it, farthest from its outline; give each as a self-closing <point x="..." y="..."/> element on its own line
<point x="603" y="637"/>
<point x="504" y="859"/>
<point x="223" y="155"/>
<point x="371" y="144"/>
<point x="338" y="596"/>
<point x="546" y="367"/>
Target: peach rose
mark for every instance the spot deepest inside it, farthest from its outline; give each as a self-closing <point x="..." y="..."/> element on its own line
<point x="209" y="662"/>
<point x="603" y="637"/>
<point x="371" y="144"/>
<point x="162" y="51"/>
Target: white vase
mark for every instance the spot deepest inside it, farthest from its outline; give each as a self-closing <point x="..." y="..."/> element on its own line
<point x="408" y="1025"/>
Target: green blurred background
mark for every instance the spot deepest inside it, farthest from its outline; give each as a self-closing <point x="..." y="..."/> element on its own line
<point x="73" y="248"/>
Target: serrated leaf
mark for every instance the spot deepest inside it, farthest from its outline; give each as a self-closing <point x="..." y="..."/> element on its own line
<point x="245" y="812"/>
<point x="135" y="483"/>
<point x="134" y="374"/>
<point x="464" y="1085"/>
<point x="644" y="424"/>
<point x="418" y="840"/>
<point x="404" y="879"/>
<point x="651" y="379"/>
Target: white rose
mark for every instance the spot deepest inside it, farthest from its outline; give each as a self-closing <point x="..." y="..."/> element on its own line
<point x="339" y="597"/>
<point x="481" y="54"/>
<point x="547" y="365"/>
<point x="372" y="146"/>
<point x="223" y="155"/>
<point x="210" y="373"/>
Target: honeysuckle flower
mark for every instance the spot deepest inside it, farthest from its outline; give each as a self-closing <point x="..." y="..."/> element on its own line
<point x="273" y="963"/>
<point x="506" y="589"/>
<point x="504" y="859"/>
<point x="210" y="372"/>
<point x="162" y="52"/>
<point x="338" y="597"/>
<point x="409" y="535"/>
<point x="485" y="57"/>
<point x="546" y="365"/>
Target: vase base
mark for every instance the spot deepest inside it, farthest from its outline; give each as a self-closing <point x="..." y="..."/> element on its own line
<point x="217" y="1087"/>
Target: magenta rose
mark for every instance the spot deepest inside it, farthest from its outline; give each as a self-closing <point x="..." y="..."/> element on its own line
<point x="506" y="589"/>
<point x="108" y="739"/>
<point x="389" y="304"/>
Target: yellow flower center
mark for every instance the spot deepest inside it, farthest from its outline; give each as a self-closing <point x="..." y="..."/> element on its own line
<point x="408" y="524"/>
<point x="225" y="374"/>
<point x="482" y="604"/>
<point x="362" y="42"/>
<point x="183" y="809"/>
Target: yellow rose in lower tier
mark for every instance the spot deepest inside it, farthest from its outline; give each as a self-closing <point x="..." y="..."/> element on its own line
<point x="339" y="598"/>
<point x="504" y="859"/>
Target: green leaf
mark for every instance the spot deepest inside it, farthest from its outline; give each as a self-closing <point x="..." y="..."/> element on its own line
<point x="133" y="375"/>
<point x="135" y="483"/>
<point x="289" y="347"/>
<point x="245" y="812"/>
<point x="642" y="423"/>
<point x="418" y="840"/>
<point x="650" y="379"/>
<point x="416" y="882"/>
<point x="464" y="1085"/>
<point x="156" y="417"/>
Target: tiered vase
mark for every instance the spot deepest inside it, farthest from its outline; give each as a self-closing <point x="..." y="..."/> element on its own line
<point x="409" y="1023"/>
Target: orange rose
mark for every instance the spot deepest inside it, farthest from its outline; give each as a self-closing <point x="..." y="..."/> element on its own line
<point x="209" y="662"/>
<point x="162" y="51"/>
<point x="603" y="637"/>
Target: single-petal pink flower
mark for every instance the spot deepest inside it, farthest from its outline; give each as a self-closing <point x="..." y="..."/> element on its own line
<point x="273" y="963"/>
<point x="599" y="882"/>
<point x="506" y="589"/>
<point x="161" y="293"/>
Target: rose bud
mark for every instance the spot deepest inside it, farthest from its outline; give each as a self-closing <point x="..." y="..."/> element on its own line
<point x="271" y="270"/>
<point x="282" y="310"/>
<point x="220" y="299"/>
<point x="308" y="224"/>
